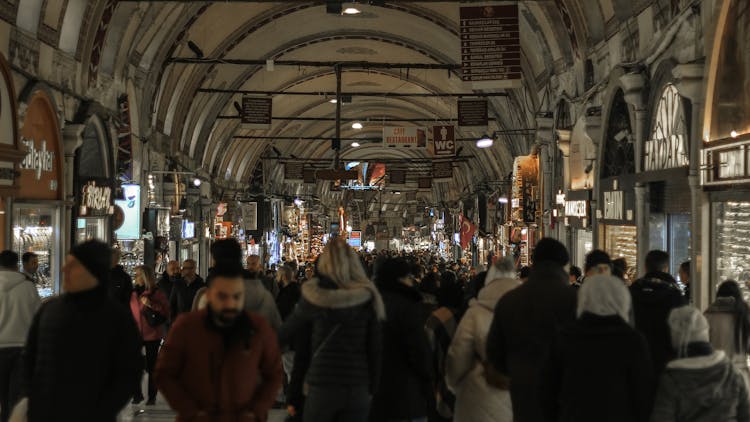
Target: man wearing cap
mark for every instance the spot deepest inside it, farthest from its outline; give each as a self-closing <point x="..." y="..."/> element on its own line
<point x="82" y="358"/>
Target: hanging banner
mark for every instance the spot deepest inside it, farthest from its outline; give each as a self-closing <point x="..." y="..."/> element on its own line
<point x="444" y="141"/>
<point x="442" y="170"/>
<point x="491" y="46"/>
<point x="472" y="113"/>
<point x="250" y="216"/>
<point x="256" y="112"/>
<point x="404" y="137"/>
<point x="124" y="140"/>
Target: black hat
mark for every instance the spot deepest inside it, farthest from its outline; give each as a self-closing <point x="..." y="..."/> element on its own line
<point x="597" y="257"/>
<point x="96" y="257"/>
<point x="550" y="250"/>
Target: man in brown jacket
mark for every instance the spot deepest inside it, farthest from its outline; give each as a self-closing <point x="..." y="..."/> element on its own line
<point x="221" y="363"/>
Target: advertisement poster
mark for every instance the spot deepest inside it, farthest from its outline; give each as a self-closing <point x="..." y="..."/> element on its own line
<point x="131" y="209"/>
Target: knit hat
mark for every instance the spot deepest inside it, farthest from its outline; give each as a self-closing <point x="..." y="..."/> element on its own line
<point x="687" y="325"/>
<point x="96" y="257"/>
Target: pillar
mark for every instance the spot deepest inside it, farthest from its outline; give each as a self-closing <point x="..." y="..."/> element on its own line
<point x="633" y="85"/>
<point x="593" y="120"/>
<point x="690" y="85"/>
<point x="72" y="140"/>
<point x="544" y="123"/>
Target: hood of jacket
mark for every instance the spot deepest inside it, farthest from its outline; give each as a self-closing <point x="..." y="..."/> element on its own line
<point x="327" y="295"/>
<point x="703" y="380"/>
<point x="402" y="289"/>
<point x="493" y="291"/>
<point x="9" y="280"/>
<point x="654" y="287"/>
<point x="722" y="304"/>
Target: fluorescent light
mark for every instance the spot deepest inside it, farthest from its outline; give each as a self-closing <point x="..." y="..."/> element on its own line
<point x="485" y="142"/>
<point x="333" y="101"/>
<point x="357" y="125"/>
<point x="502" y="200"/>
<point x="351" y="11"/>
<point x="355" y="144"/>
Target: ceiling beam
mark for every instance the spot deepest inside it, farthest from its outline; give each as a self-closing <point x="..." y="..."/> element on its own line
<point x="309" y="63"/>
<point x="354" y="94"/>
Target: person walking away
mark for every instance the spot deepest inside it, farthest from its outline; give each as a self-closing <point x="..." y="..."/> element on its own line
<point x="340" y="311"/>
<point x="476" y="400"/>
<point x="701" y="384"/>
<point x="82" y="359"/>
<point x="184" y="289"/>
<point x="525" y="323"/>
<point x="600" y="367"/>
<point x="575" y="275"/>
<point x="19" y="302"/>
<point x="255" y="269"/>
<point x="729" y="319"/>
<point x="150" y="309"/>
<point x="405" y="388"/>
<point x="30" y="262"/>
<point x="168" y="278"/>
<point x="684" y="273"/>
<point x="222" y="363"/>
<point x="289" y="294"/>
<point x="597" y="262"/>
<point x="654" y="296"/>
<point x="120" y="285"/>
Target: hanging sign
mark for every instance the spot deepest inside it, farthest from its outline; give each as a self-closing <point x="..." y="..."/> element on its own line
<point x="294" y="172"/>
<point x="667" y="147"/>
<point x="96" y="200"/>
<point x="491" y="46"/>
<point x="472" y="113"/>
<point x="617" y="201"/>
<point x="404" y="137"/>
<point x="250" y="216"/>
<point x="442" y="170"/>
<point x="444" y="141"/>
<point x="726" y="163"/>
<point x="40" y="172"/>
<point x="355" y="239"/>
<point x="256" y="112"/>
<point x="131" y="211"/>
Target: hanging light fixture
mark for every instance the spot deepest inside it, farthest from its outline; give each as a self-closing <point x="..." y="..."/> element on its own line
<point x="485" y="141"/>
<point x="357" y="125"/>
<point x="355" y="144"/>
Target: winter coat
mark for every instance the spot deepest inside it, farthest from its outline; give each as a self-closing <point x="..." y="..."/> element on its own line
<point x="701" y="389"/>
<point x="722" y="320"/>
<point x="287" y="299"/>
<point x="166" y="283"/>
<point x="181" y="299"/>
<point x="654" y="296"/>
<point x="19" y="302"/>
<point x="406" y="378"/>
<point x="120" y="285"/>
<point x="82" y="360"/>
<point x="197" y="372"/>
<point x="599" y="366"/>
<point x="344" y="333"/>
<point x="523" y="328"/>
<point x="258" y="300"/>
<point x="159" y="304"/>
<point x="441" y="326"/>
<point x="476" y="401"/>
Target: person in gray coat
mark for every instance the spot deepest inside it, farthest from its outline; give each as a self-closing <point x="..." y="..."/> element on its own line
<point x="701" y="385"/>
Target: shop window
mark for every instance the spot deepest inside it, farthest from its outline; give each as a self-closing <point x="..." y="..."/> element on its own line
<point x="732" y="245"/>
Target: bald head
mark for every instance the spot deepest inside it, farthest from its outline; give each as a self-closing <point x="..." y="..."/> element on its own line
<point x="253" y="263"/>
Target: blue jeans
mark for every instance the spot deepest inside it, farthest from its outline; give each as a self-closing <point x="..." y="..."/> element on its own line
<point x="337" y="403"/>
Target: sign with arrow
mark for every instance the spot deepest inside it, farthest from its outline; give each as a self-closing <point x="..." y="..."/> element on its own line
<point x="444" y="141"/>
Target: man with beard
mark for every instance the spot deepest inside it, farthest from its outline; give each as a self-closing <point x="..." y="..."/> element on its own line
<point x="168" y="278"/>
<point x="221" y="363"/>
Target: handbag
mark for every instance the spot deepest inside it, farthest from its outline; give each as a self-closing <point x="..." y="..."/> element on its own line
<point x="153" y="318"/>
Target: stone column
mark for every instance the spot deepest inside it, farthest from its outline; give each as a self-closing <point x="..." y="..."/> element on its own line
<point x="633" y="86"/>
<point x="72" y="140"/>
<point x="544" y="123"/>
<point x="594" y="131"/>
<point x="690" y="85"/>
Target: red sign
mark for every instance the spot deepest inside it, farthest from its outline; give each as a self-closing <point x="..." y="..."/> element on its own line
<point x="490" y="44"/>
<point x="444" y="140"/>
<point x="467" y="230"/>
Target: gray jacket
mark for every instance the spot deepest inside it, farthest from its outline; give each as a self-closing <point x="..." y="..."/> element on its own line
<point x="19" y="301"/>
<point x="702" y="389"/>
<point x="260" y="301"/>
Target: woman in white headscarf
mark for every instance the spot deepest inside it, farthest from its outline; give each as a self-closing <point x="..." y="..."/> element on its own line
<point x="599" y="368"/>
<point x="702" y="384"/>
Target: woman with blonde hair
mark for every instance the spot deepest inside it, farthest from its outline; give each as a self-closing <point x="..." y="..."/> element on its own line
<point x="150" y="309"/>
<point x="340" y="313"/>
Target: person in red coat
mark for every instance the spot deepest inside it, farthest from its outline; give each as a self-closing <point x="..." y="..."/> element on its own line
<point x="221" y="363"/>
<point x="150" y="308"/>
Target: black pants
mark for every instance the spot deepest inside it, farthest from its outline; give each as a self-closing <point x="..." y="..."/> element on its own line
<point x="337" y="403"/>
<point x="10" y="380"/>
<point x="152" y="350"/>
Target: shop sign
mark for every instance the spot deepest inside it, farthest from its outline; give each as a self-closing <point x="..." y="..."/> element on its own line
<point x="404" y="137"/>
<point x="131" y="213"/>
<point x="250" y="216"/>
<point x="96" y="200"/>
<point x="355" y="239"/>
<point x="613" y="205"/>
<point x="576" y="209"/>
<point x="617" y="202"/>
<point x="726" y="164"/>
<point x="560" y="199"/>
<point x="40" y="172"/>
<point x="39" y="160"/>
<point x="667" y="147"/>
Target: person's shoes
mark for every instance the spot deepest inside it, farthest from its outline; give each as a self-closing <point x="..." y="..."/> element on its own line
<point x="151" y="402"/>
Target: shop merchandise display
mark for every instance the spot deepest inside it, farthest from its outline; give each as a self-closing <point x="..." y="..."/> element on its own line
<point x="732" y="243"/>
<point x="621" y="242"/>
<point x="38" y="240"/>
<point x="132" y="255"/>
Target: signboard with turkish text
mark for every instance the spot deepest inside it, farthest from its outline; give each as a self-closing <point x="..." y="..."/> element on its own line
<point x="472" y="113"/>
<point x="95" y="199"/>
<point x="617" y="199"/>
<point x="41" y="169"/>
<point x="442" y="170"/>
<point x="294" y="172"/>
<point x="256" y="112"/>
<point x="726" y="163"/>
<point x="250" y="216"/>
<point x="444" y="141"/>
<point x="404" y="137"/>
<point x="491" y="46"/>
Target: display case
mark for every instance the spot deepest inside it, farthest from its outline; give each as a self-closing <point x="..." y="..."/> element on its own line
<point x="132" y="255"/>
<point x="620" y="242"/>
<point x="731" y="246"/>
<point x="35" y="230"/>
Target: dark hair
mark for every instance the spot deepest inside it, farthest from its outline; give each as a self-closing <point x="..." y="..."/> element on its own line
<point x="619" y="267"/>
<point x="450" y="294"/>
<point x="226" y="252"/>
<point x="730" y="288"/>
<point x="685" y="267"/>
<point x="225" y="271"/>
<point x="28" y="256"/>
<point x="550" y="250"/>
<point x="656" y="261"/>
<point x="597" y="257"/>
<point x="524" y="272"/>
<point x="429" y="283"/>
<point x="8" y="259"/>
<point x="575" y="271"/>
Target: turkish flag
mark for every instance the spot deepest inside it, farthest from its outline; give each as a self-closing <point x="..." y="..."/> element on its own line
<point x="467" y="231"/>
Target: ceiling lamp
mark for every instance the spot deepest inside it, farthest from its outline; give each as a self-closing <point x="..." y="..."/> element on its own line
<point x="197" y="182"/>
<point x="355" y="144"/>
<point x="485" y="141"/>
<point x="357" y="125"/>
<point x="351" y="11"/>
<point x="333" y="101"/>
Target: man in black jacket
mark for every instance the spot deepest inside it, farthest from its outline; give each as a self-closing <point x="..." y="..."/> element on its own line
<point x="82" y="359"/>
<point x="120" y="283"/>
<point x="184" y="289"/>
<point x="654" y="297"/>
<point x="526" y="321"/>
<point x="168" y="278"/>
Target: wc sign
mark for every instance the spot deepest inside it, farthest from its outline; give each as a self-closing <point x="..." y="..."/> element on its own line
<point x="444" y="141"/>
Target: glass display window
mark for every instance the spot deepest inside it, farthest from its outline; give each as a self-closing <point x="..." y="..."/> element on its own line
<point x="36" y="229"/>
<point x="620" y="242"/>
<point x="731" y="246"/>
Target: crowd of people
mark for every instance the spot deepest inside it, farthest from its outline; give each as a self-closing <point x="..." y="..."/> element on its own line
<point x="385" y="336"/>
